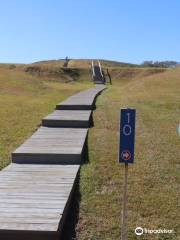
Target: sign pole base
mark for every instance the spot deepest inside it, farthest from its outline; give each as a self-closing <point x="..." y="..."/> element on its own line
<point x="124" y="210"/>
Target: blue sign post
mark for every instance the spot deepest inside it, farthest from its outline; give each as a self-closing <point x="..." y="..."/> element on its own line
<point x="127" y="135"/>
<point x="126" y="155"/>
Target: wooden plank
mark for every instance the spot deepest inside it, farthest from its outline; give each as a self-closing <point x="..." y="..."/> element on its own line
<point x="52" y="145"/>
<point x="26" y="207"/>
<point x="29" y="226"/>
<point x="36" y="215"/>
<point x="82" y="101"/>
<point x="28" y="211"/>
<point x="31" y="219"/>
<point x="68" y="118"/>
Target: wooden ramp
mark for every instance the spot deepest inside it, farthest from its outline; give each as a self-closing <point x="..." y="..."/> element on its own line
<point x="36" y="189"/>
<point x="52" y="146"/>
<point x="34" y="199"/>
<point x="82" y="101"/>
<point x="68" y="118"/>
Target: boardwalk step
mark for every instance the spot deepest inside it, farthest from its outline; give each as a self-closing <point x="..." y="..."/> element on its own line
<point x="68" y="118"/>
<point x="82" y="101"/>
<point x="52" y="146"/>
<point x="42" y="214"/>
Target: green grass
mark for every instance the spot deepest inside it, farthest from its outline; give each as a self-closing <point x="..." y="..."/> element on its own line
<point x="24" y="100"/>
<point x="153" y="183"/>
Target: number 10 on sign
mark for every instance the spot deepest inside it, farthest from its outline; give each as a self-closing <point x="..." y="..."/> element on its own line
<point x="127" y="135"/>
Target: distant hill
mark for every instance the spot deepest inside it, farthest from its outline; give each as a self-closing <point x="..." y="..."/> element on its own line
<point x="68" y="70"/>
<point x="84" y="63"/>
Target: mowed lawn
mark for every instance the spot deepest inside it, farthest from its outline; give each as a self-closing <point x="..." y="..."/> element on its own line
<point x="24" y="101"/>
<point x="153" y="181"/>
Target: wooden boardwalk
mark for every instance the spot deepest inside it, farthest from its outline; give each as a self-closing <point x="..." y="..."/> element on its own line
<point x="52" y="146"/>
<point x="34" y="199"/>
<point x="68" y="118"/>
<point x="36" y="189"/>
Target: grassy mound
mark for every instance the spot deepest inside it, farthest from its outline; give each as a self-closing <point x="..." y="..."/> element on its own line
<point x="153" y="183"/>
<point x="27" y="95"/>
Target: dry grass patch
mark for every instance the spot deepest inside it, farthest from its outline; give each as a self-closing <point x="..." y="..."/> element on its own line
<point x="24" y="101"/>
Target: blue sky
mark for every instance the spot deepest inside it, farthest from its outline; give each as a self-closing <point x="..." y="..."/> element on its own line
<point x="128" y="31"/>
